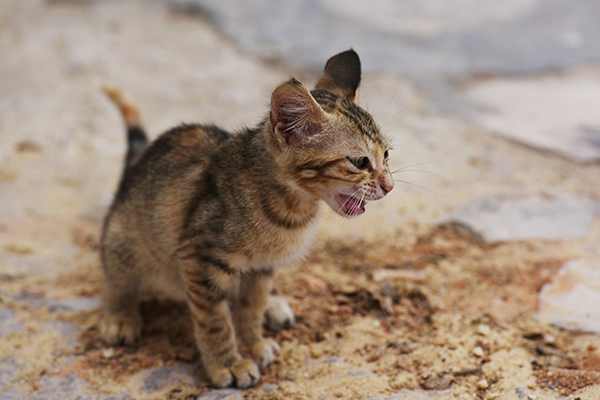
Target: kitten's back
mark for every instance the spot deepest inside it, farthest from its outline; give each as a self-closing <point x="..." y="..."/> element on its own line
<point x="158" y="184"/>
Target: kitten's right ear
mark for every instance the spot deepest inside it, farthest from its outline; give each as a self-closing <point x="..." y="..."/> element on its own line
<point x="295" y="115"/>
<point x="341" y="75"/>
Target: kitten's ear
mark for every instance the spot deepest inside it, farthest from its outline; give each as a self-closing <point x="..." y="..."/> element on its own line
<point x="341" y="75"/>
<point x="295" y="114"/>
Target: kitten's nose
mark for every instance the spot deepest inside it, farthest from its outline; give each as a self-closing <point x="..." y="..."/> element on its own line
<point x="387" y="183"/>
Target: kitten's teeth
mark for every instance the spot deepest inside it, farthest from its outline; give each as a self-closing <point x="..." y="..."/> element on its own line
<point x="352" y="205"/>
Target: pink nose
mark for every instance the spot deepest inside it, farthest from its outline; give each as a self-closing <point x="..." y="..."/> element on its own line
<point x="387" y="183"/>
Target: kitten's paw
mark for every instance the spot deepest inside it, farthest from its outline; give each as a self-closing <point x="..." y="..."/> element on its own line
<point x="278" y="314"/>
<point x="264" y="352"/>
<point x="246" y="373"/>
<point x="242" y="374"/>
<point x="120" y="329"/>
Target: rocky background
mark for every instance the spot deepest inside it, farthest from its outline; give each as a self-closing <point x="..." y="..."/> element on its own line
<point x="478" y="277"/>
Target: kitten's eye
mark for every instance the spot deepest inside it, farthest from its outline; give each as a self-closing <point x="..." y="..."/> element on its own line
<point x="385" y="155"/>
<point x="360" y="163"/>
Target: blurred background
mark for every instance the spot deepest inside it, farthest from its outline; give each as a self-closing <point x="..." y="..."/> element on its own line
<point x="444" y="78"/>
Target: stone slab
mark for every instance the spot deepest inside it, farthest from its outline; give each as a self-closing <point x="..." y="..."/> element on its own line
<point x="9" y="323"/>
<point x="159" y="378"/>
<point x="8" y="370"/>
<point x="555" y="113"/>
<point x="407" y="394"/>
<point x="74" y="304"/>
<point x="425" y="39"/>
<point x="571" y="299"/>
<point x="68" y="387"/>
<point x="222" y="394"/>
<point x="513" y="217"/>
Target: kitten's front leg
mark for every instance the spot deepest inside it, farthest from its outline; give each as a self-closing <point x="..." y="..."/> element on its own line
<point x="249" y="311"/>
<point x="207" y="281"/>
<point x="278" y="314"/>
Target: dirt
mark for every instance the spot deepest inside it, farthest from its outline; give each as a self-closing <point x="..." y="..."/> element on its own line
<point x="469" y="320"/>
<point x="387" y="303"/>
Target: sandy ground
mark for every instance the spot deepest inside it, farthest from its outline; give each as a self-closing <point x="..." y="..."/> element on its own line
<point x="386" y="304"/>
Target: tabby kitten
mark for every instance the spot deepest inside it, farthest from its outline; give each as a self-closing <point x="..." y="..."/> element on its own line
<point x="209" y="215"/>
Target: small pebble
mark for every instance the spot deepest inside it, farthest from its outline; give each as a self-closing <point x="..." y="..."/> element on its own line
<point x="492" y="396"/>
<point x="291" y="376"/>
<point x="268" y="388"/>
<point x="349" y="289"/>
<point x="26" y="145"/>
<point x="478" y="351"/>
<point x="483" y="384"/>
<point x="483" y="330"/>
<point x="108" y="353"/>
<point x="316" y="352"/>
<point x="549" y="339"/>
<point x="531" y="396"/>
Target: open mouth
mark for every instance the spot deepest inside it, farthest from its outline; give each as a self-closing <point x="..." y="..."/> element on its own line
<point x="351" y="205"/>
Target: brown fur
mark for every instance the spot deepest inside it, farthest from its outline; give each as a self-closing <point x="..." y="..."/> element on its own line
<point x="209" y="215"/>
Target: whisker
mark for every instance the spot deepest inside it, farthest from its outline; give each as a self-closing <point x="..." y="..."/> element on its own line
<point x="344" y="218"/>
<point x="392" y="101"/>
<point x="392" y="118"/>
<point x="376" y="207"/>
<point x="425" y="172"/>
<point x="389" y="123"/>
<point x="377" y="101"/>
<point x="416" y="165"/>
<point x="437" y="195"/>
<point x="355" y="205"/>
<point x="348" y="199"/>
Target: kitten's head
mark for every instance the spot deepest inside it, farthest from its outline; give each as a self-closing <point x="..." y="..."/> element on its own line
<point x="330" y="146"/>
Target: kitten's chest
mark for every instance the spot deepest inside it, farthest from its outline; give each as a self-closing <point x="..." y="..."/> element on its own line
<point x="274" y="249"/>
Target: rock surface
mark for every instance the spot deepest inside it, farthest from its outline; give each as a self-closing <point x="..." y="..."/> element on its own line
<point x="8" y="370"/>
<point x="571" y="299"/>
<point x="222" y="394"/>
<point x="418" y="395"/>
<point x="75" y="304"/>
<point x="424" y="39"/>
<point x="9" y="323"/>
<point x="176" y="375"/>
<point x="555" y="113"/>
<point x="512" y="217"/>
<point x="66" y="388"/>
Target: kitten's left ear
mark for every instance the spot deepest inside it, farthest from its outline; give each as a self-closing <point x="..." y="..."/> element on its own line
<point x="341" y="75"/>
<point x="295" y="115"/>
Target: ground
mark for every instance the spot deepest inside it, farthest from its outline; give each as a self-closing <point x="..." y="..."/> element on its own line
<point x="390" y="305"/>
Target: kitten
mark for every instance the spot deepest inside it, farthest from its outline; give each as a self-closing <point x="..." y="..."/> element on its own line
<point x="208" y="215"/>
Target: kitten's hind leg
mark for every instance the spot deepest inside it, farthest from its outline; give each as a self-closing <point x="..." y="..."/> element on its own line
<point x="278" y="314"/>
<point x="121" y="322"/>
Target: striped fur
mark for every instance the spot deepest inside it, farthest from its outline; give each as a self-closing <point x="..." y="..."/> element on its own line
<point x="207" y="215"/>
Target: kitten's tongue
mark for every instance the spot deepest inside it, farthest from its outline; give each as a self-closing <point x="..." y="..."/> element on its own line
<point x="352" y="205"/>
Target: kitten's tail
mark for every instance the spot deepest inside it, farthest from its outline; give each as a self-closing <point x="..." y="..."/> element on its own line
<point x="137" y="141"/>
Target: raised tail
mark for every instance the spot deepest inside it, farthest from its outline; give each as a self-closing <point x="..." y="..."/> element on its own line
<point x="137" y="141"/>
